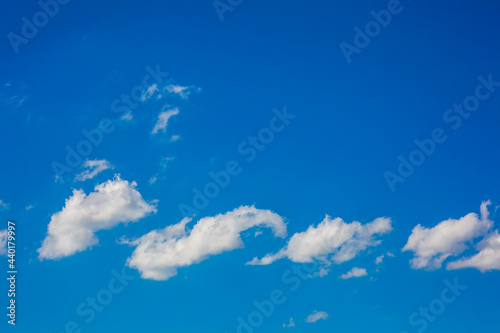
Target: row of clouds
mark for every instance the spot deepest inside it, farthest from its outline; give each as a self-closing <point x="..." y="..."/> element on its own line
<point x="160" y="253"/>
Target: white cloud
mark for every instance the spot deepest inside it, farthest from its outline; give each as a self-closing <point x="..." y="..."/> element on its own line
<point x="163" y="117"/>
<point x="290" y="324"/>
<point x="95" y="167"/>
<point x="73" y="229"/>
<point x="323" y="271"/>
<point x="149" y="92"/>
<point x="3" y="242"/>
<point x="355" y="272"/>
<point x="316" y="315"/>
<point x="332" y="240"/>
<point x="174" y="138"/>
<point x="487" y="259"/>
<point x="29" y="207"/>
<point x="431" y="246"/>
<point x="182" y="91"/>
<point x="160" y="174"/>
<point x="160" y="252"/>
<point x="380" y="258"/>
<point x="127" y="116"/>
<point x="177" y="89"/>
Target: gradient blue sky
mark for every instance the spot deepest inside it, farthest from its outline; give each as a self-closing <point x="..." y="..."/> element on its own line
<point x="353" y="121"/>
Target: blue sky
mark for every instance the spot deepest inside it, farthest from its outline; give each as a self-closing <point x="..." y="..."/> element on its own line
<point x="308" y="201"/>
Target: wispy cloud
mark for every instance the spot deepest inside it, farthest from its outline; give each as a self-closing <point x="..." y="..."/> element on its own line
<point x="11" y="94"/>
<point x="163" y="166"/>
<point x="162" y="121"/>
<point x="380" y="258"/>
<point x="182" y="91"/>
<point x="94" y="167"/>
<point x="316" y="315"/>
<point x="127" y="116"/>
<point x="148" y="93"/>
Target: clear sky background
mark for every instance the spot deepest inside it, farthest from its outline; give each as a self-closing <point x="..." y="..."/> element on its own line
<point x="353" y="120"/>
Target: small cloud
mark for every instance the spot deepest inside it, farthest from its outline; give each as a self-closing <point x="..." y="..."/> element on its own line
<point x="355" y="272"/>
<point x="164" y="162"/>
<point x="29" y="207"/>
<point x="258" y="232"/>
<point x="174" y="138"/>
<point x="323" y="272"/>
<point x="316" y="315"/>
<point x="290" y="324"/>
<point x="162" y="122"/>
<point x="379" y="259"/>
<point x="95" y="167"/>
<point x="182" y="91"/>
<point x="127" y="116"/>
<point x="149" y="92"/>
<point x="161" y="173"/>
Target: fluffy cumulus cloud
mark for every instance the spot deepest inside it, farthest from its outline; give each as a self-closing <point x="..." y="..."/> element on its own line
<point x="94" y="167"/>
<point x="162" y="121"/>
<point x="333" y="240"/>
<point x="159" y="253"/>
<point x="73" y="228"/>
<point x="355" y="272"/>
<point x="487" y="259"/>
<point x="316" y="315"/>
<point x="431" y="246"/>
<point x="3" y="242"/>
